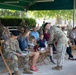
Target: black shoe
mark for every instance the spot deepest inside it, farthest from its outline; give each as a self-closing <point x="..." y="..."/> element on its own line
<point x="54" y="52"/>
<point x="51" y="59"/>
<point x="53" y="62"/>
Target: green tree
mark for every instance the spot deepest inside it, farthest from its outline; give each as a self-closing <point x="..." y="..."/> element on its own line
<point x="64" y="14"/>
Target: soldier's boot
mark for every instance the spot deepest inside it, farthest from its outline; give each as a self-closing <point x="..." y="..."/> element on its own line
<point x="17" y="73"/>
<point x="57" y="68"/>
<point x="27" y="71"/>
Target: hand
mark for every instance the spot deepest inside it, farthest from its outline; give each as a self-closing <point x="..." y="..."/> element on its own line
<point x="18" y="54"/>
<point x="49" y="45"/>
<point x="26" y="49"/>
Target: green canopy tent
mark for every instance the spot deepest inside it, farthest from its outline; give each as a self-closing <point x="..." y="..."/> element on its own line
<point x="24" y="5"/>
<point x="36" y="4"/>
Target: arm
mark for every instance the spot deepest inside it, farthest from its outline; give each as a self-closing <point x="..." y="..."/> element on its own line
<point x="21" y="42"/>
<point x="51" y="35"/>
<point x="17" y="47"/>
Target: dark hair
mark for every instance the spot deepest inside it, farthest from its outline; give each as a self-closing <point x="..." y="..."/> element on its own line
<point x="45" y="24"/>
<point x="34" y="26"/>
<point x="26" y="28"/>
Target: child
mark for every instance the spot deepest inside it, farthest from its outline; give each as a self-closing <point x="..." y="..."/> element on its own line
<point x="32" y="42"/>
<point x="41" y="42"/>
<point x="43" y="45"/>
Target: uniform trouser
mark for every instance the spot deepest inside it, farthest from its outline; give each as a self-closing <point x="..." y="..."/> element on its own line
<point x="15" y="61"/>
<point x="61" y="50"/>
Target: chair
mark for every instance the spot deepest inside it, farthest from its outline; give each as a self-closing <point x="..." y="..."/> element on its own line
<point x="5" y="62"/>
<point x="41" y="59"/>
<point x="73" y="47"/>
<point x="44" y="56"/>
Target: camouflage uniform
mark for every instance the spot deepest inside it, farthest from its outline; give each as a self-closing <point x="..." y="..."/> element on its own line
<point x="22" y="25"/>
<point x="56" y="34"/>
<point x="1" y="29"/>
<point x="11" y="47"/>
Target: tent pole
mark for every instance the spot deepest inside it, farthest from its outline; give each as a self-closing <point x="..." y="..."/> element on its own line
<point x="21" y="14"/>
<point x="26" y="13"/>
<point x="74" y="14"/>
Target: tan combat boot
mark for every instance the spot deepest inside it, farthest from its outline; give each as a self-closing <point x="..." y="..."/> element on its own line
<point x="27" y="71"/>
<point x="17" y="73"/>
<point x="57" y="68"/>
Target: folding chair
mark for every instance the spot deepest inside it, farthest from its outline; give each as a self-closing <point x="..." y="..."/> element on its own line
<point x="5" y="62"/>
<point x="73" y="47"/>
<point x="44" y="56"/>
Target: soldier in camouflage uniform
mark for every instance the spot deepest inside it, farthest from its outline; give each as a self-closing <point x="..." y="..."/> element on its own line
<point x="12" y="51"/>
<point x="22" y="25"/>
<point x="56" y="34"/>
<point x="1" y="29"/>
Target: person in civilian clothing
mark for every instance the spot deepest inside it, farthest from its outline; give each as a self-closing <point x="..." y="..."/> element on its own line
<point x="35" y="33"/>
<point x="46" y="35"/>
<point x="23" y="44"/>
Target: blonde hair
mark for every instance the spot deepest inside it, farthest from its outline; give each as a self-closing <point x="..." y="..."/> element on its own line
<point x="31" y="37"/>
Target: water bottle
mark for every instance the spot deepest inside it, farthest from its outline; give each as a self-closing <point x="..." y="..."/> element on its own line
<point x="46" y="43"/>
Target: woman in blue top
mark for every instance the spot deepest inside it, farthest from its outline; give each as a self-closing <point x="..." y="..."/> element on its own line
<point x="23" y="43"/>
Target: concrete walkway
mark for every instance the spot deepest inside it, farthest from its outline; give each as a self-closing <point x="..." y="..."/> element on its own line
<point x="69" y="69"/>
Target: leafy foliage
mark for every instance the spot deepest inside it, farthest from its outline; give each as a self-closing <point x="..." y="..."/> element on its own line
<point x="16" y="21"/>
<point x="30" y="22"/>
<point x="64" y="14"/>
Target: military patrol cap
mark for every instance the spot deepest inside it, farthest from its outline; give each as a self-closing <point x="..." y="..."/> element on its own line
<point x="15" y="33"/>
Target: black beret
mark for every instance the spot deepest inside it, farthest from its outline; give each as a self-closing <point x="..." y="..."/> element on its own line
<point x="15" y="33"/>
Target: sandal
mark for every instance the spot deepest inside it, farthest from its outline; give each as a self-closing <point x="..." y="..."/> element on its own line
<point x="33" y="68"/>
